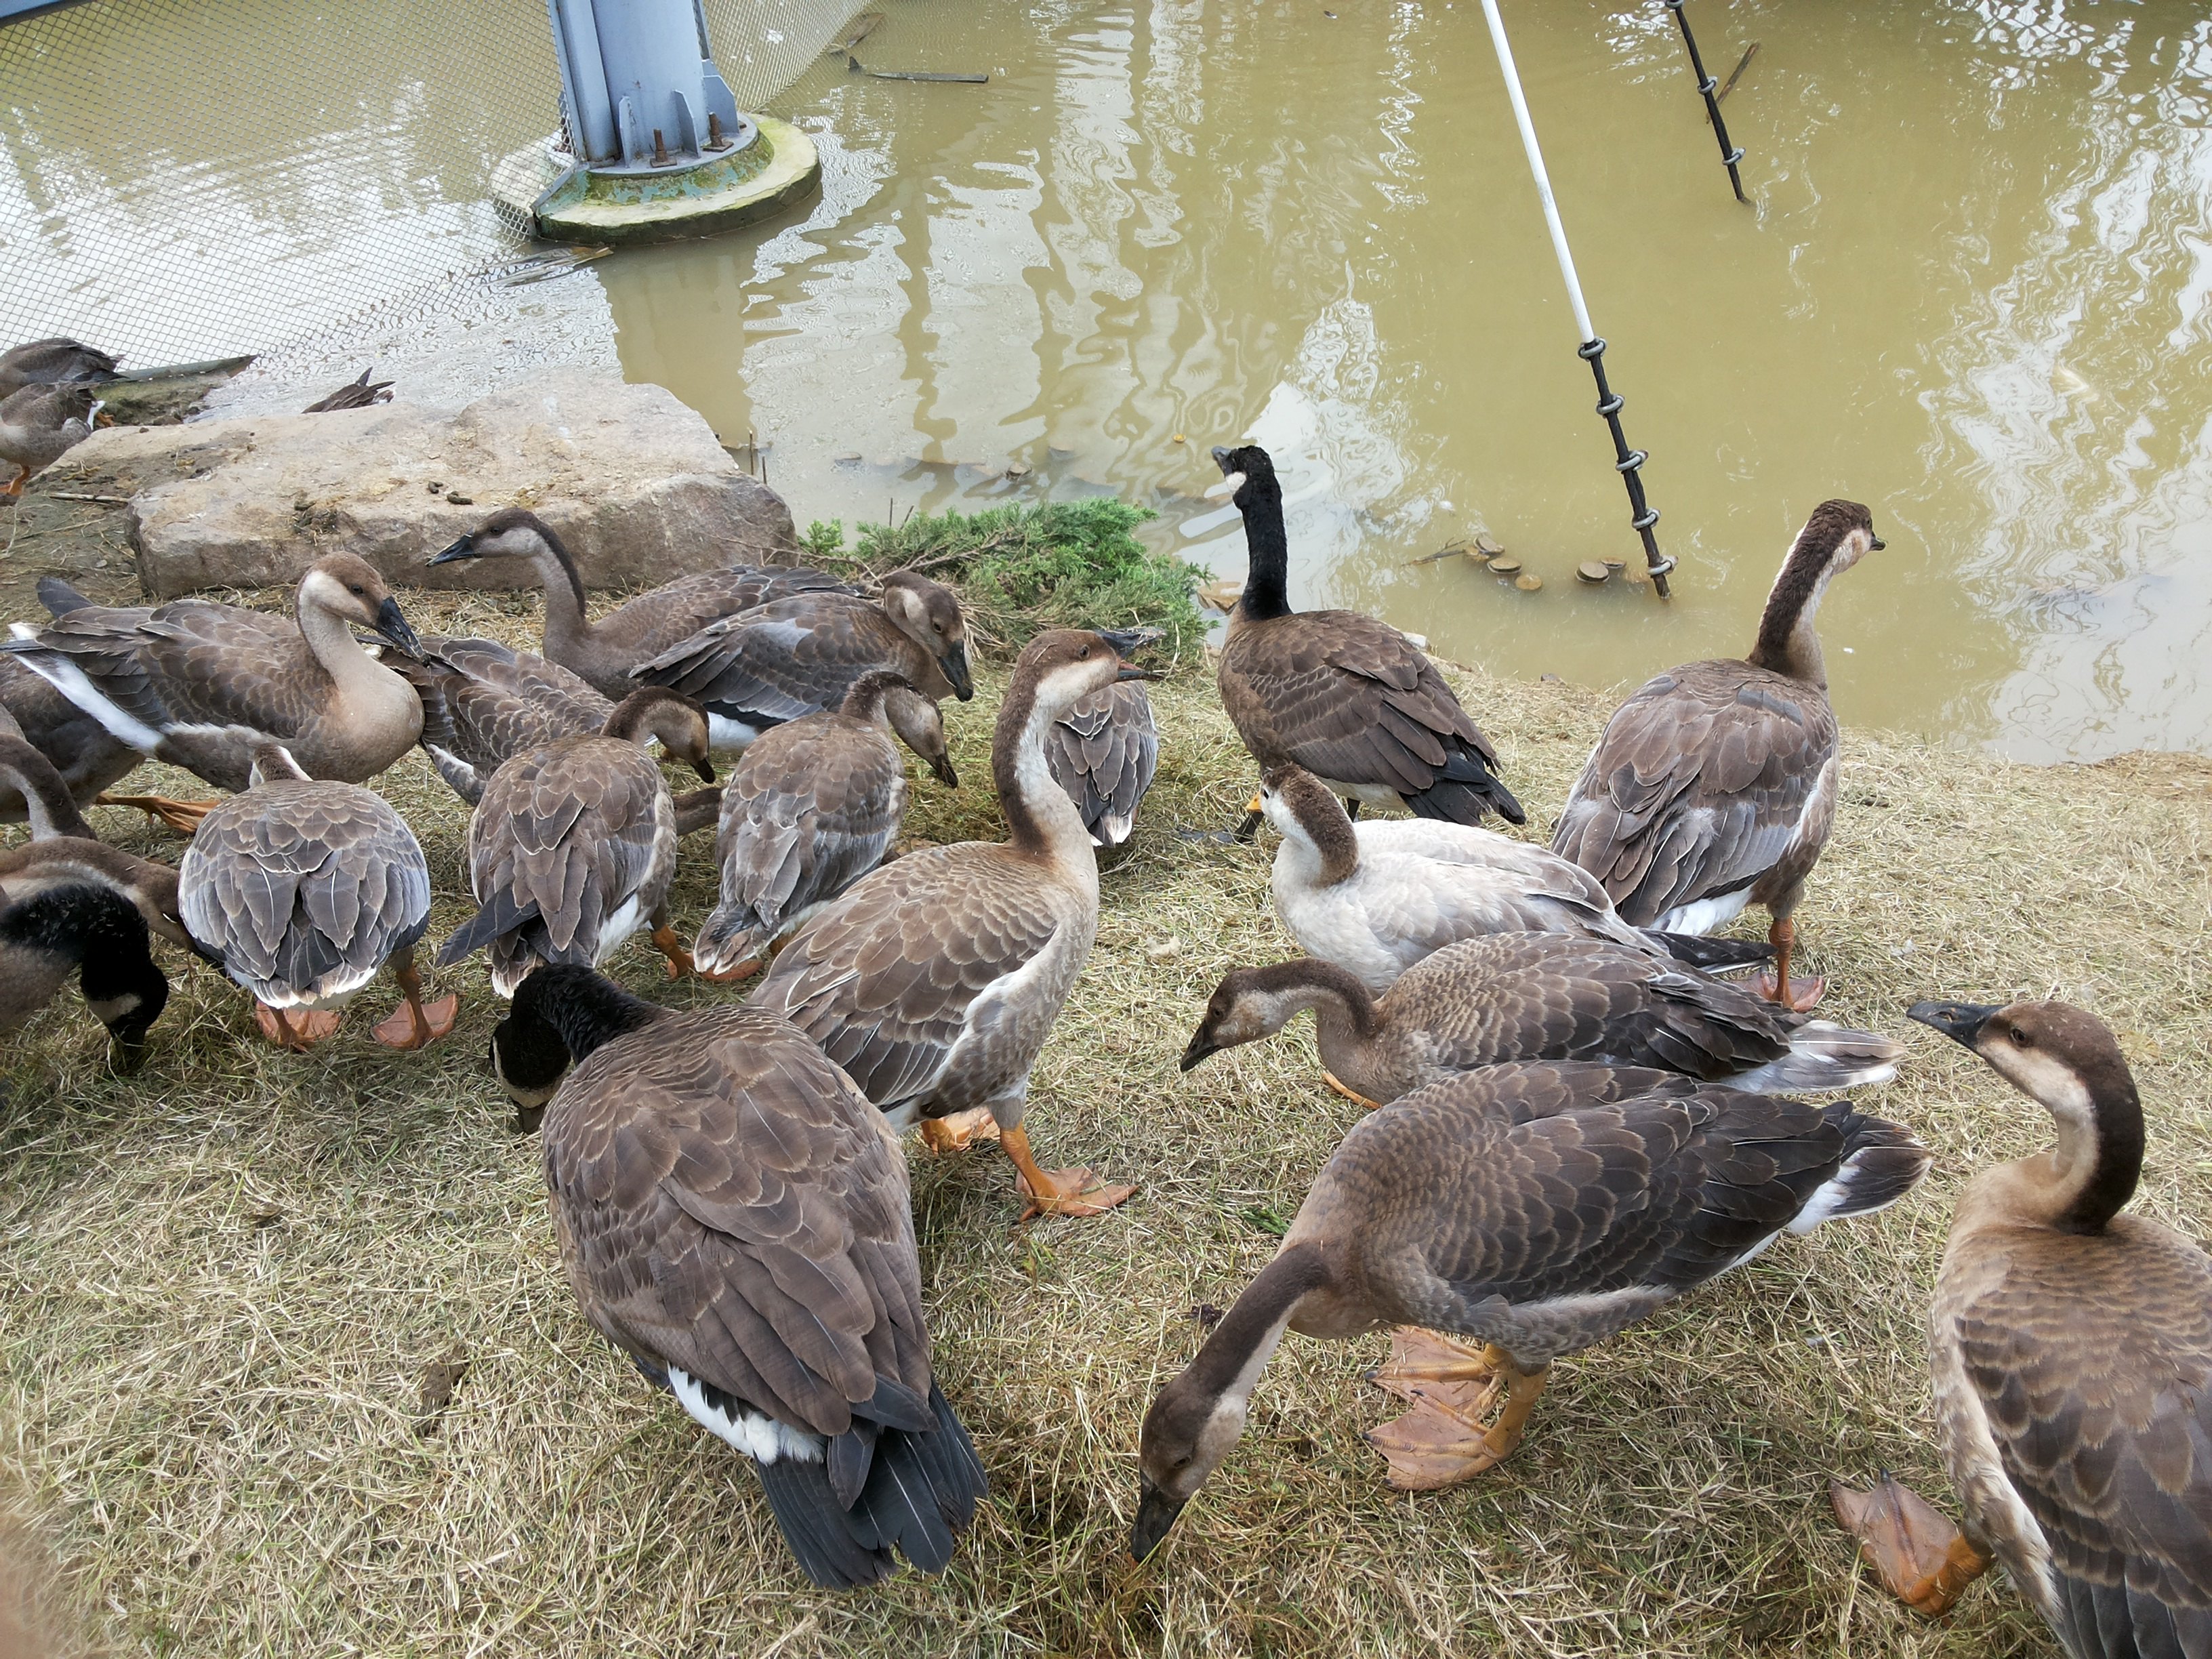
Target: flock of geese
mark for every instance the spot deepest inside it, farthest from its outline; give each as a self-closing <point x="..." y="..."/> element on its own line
<point x="1575" y="1117"/>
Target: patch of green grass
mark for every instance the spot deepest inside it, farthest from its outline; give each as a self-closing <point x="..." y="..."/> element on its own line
<point x="1022" y="569"/>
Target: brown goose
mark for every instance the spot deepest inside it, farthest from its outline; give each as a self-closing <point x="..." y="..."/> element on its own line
<point x="810" y="809"/>
<point x="41" y="424"/>
<point x="734" y="1219"/>
<point x="604" y="653"/>
<point x="56" y="361"/>
<point x="935" y="980"/>
<point x="1104" y="752"/>
<point x="572" y="848"/>
<point x="88" y="929"/>
<point x="1349" y="698"/>
<point x="63" y="851"/>
<point x="1537" y="996"/>
<point x="800" y="654"/>
<point x="2070" y="1348"/>
<point x="483" y="703"/>
<point x="355" y="394"/>
<point x="301" y="888"/>
<point x="1377" y="896"/>
<point x="88" y="755"/>
<point x="1714" y="786"/>
<point x="207" y="686"/>
<point x="1537" y="1209"/>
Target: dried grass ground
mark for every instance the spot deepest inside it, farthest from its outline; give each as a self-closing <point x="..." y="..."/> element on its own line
<point x="222" y="1282"/>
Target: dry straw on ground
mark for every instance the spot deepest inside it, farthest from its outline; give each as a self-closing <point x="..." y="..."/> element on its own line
<point x="222" y="1283"/>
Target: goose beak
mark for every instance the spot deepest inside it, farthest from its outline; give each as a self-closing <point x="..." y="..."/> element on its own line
<point x="704" y="768"/>
<point x="1200" y="1046"/>
<point x="393" y="627"/>
<point x="1877" y="543"/>
<point x="461" y="547"/>
<point x="954" y="662"/>
<point x="1961" y="1021"/>
<point x="1156" y="1513"/>
<point x="941" y="766"/>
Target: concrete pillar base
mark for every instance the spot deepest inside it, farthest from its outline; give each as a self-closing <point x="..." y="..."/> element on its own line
<point x="540" y="196"/>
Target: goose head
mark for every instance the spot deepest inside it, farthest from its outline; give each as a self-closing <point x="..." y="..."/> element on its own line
<point x="1060" y="667"/>
<point x="927" y="613"/>
<point x="920" y="727"/>
<point x="1837" y="537"/>
<point x="349" y="588"/>
<point x="561" y="1014"/>
<point x="1310" y="820"/>
<point x="1252" y="1003"/>
<point x="678" y="723"/>
<point x="1192" y="1426"/>
<point x="1248" y="477"/>
<point x="2066" y="1061"/>
<point x="512" y="532"/>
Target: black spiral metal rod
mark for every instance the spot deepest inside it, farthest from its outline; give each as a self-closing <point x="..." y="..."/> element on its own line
<point x="1629" y="463"/>
<point x="1730" y="154"/>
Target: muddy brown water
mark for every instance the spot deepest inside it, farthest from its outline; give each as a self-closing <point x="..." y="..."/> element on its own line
<point x="1972" y="291"/>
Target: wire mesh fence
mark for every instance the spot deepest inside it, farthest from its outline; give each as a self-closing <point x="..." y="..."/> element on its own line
<point x="194" y="179"/>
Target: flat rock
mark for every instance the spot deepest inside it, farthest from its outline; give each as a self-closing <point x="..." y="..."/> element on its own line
<point x="635" y="482"/>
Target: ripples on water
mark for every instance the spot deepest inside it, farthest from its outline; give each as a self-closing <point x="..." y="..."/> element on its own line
<point x="1972" y="293"/>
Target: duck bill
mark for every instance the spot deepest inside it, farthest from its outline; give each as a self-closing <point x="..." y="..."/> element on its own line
<point x="941" y="766"/>
<point x="1156" y="1513"/>
<point x="1201" y="1048"/>
<point x="954" y="663"/>
<point x="1877" y="544"/>
<point x="1961" y="1021"/>
<point x="461" y="547"/>
<point x="704" y="768"/>
<point x="393" y="627"/>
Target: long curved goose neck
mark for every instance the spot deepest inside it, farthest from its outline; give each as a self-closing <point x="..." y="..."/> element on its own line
<point x="1345" y="1016"/>
<point x="359" y="677"/>
<point x="867" y="697"/>
<point x="567" y="630"/>
<point x="2093" y="1170"/>
<point x="587" y="1009"/>
<point x="48" y="805"/>
<point x="1041" y="820"/>
<point x="1268" y="544"/>
<point x="1788" y="643"/>
<point x="1228" y="1367"/>
<point x="1321" y="843"/>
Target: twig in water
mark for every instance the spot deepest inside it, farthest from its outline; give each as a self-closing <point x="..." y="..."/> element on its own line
<point x="1742" y="63"/>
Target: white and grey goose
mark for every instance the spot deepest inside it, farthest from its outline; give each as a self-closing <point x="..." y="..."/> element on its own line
<point x="1378" y="896"/>
<point x="302" y="887"/>
<point x="1507" y="997"/>
<point x="734" y="1218"/>
<point x="935" y="980"/>
<point x="603" y="651"/>
<point x="811" y="808"/>
<point x="1714" y="786"/>
<point x="573" y="846"/>
<point x="1536" y="1209"/>
<point x="207" y="686"/>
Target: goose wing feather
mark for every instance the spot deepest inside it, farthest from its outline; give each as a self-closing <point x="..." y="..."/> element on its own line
<point x="484" y="702"/>
<point x="671" y="614"/>
<point x="1104" y="752"/>
<point x="2090" y="1362"/>
<point x="890" y="977"/>
<point x="191" y="662"/>
<point x="729" y="1204"/>
<point x="782" y="660"/>
<point x="53" y="361"/>
<point x="1697" y="785"/>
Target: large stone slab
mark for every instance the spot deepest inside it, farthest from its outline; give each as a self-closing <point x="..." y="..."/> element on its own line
<point x="634" y="484"/>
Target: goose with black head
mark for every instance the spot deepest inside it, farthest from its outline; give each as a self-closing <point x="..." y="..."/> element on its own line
<point x="1349" y="698"/>
<point x="1714" y="786"/>
<point x="2070" y="1349"/>
<point x="935" y="980"/>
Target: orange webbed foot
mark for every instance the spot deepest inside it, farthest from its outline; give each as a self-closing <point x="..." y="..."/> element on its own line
<point x="956" y="1130"/>
<point x="297" y="1029"/>
<point x="416" y="1024"/>
<point x="1922" y="1559"/>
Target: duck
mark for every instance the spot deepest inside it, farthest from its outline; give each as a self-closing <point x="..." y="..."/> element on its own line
<point x="56" y="361"/>
<point x="207" y="687"/>
<point x="1349" y="698"/>
<point x="301" y="888"/>
<point x="1714" y="786"/>
<point x="602" y="653"/>
<point x="1536" y="996"/>
<point x="90" y="930"/>
<point x="1377" y="896"/>
<point x="39" y="425"/>
<point x="1536" y="1209"/>
<point x="1104" y="752"/>
<point x="811" y="808"/>
<point x="355" y="394"/>
<point x="2070" y="1361"/>
<point x="88" y="755"/>
<point x="798" y="654"/>
<point x="65" y="851"/>
<point x="935" y="979"/>
<point x="572" y="848"/>
<point x="734" y="1219"/>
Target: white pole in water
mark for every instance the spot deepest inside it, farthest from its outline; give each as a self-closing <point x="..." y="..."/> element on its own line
<point x="1628" y="462"/>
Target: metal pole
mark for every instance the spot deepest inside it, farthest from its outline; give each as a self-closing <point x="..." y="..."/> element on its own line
<point x="1730" y="154"/>
<point x="1628" y="462"/>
